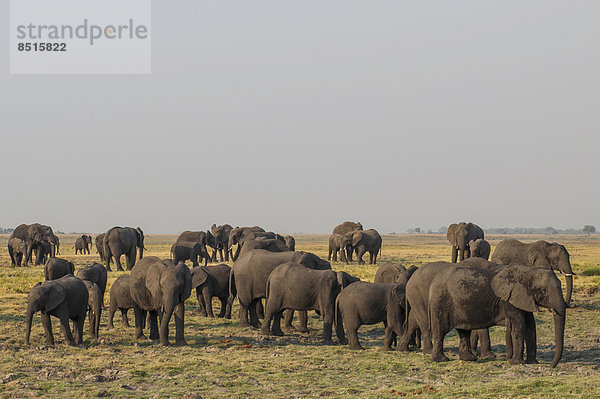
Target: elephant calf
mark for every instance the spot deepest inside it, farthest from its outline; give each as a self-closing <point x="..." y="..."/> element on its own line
<point x="94" y="307"/>
<point x="95" y="273"/>
<point x="392" y="273"/>
<point x="17" y="251"/>
<point x="187" y="250"/>
<point x="65" y="298"/>
<point x="335" y="246"/>
<point x="295" y="286"/>
<point x="213" y="281"/>
<point x="372" y="303"/>
<point x="120" y="298"/>
<point x="479" y="248"/>
<point x="56" y="268"/>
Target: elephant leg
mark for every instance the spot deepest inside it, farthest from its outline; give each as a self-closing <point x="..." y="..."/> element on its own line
<point x="485" y="342"/>
<point x="154" y="332"/>
<point x="437" y="334"/>
<point x="530" y="338"/>
<point x="303" y="321"/>
<point x="66" y="328"/>
<point x="339" y="328"/>
<point x="201" y="304"/>
<point x="78" y="328"/>
<point x="509" y="341"/>
<point x="118" y="263"/>
<point x="270" y="311"/>
<point x="228" y="310"/>
<point x="140" y="320"/>
<point x="179" y="324"/>
<point x="260" y="310"/>
<point x="243" y="313"/>
<point x="223" y="307"/>
<point x="388" y="337"/>
<point x="406" y="337"/>
<point x="329" y="255"/>
<point x="360" y="255"/>
<point x="352" y="330"/>
<point x="276" y="329"/>
<point x="518" y="343"/>
<point x="124" y="320"/>
<point x="253" y="315"/>
<point x="474" y="341"/>
<point x="111" y="314"/>
<point x="464" y="349"/>
<point x="47" y="323"/>
<point x="131" y="258"/>
<point x="207" y="295"/>
<point x="288" y="317"/>
<point x="454" y="253"/>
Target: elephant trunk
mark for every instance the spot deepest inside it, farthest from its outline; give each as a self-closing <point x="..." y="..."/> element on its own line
<point x="569" y="278"/>
<point x="164" y="322"/>
<point x="141" y="252"/>
<point x="28" y="320"/>
<point x="559" y="335"/>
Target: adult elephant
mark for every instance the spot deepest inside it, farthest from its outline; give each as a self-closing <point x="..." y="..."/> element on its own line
<point x="123" y="241"/>
<point x="100" y="246"/>
<point x="394" y="273"/>
<point x="540" y="254"/>
<point x="459" y="235"/>
<point x="251" y="271"/>
<point x="33" y="235"/>
<point x="347" y="227"/>
<point x="158" y="286"/>
<point x="364" y="241"/>
<point x="83" y="244"/>
<point x="204" y="238"/>
<point x="238" y="234"/>
<point x="221" y="235"/>
<point x="503" y="294"/>
<point x="269" y="244"/>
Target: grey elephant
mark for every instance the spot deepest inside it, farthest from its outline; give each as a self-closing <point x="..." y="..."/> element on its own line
<point x="479" y="248"/>
<point x="495" y="295"/>
<point x="221" y="235"/>
<point x="123" y="241"/>
<point x="540" y="254"/>
<point x="268" y="244"/>
<point x="94" y="307"/>
<point x="120" y="298"/>
<point x="371" y="303"/>
<point x="100" y="246"/>
<point x="459" y="235"/>
<point x="393" y="273"/>
<point x="335" y="247"/>
<point x="187" y="250"/>
<point x="290" y="242"/>
<point x="209" y="282"/>
<point x="66" y="299"/>
<point x="347" y="227"/>
<point x="364" y="241"/>
<point x="17" y="250"/>
<point x="83" y="244"/>
<point x="43" y="251"/>
<point x="160" y="286"/>
<point x="33" y="234"/>
<point x="251" y="271"/>
<point x="56" y="268"/>
<point x="95" y="273"/>
<point x="238" y="233"/>
<point x="296" y="287"/>
<point x="204" y="238"/>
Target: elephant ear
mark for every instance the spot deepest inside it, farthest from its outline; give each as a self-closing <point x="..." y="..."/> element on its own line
<point x="140" y="236"/>
<point x="356" y="237"/>
<point x="72" y="268"/>
<point x="153" y="276"/>
<point x="199" y="277"/>
<point x="507" y="287"/>
<point x="187" y="289"/>
<point x="342" y="279"/>
<point x="411" y="270"/>
<point x="56" y="296"/>
<point x="537" y="258"/>
<point x="399" y="295"/>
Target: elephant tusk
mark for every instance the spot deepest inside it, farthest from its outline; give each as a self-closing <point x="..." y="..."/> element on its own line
<point x="568" y="274"/>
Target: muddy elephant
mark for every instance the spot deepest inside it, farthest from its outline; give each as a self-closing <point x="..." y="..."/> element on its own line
<point x="158" y="286"/>
<point x="66" y="299"/>
<point x="363" y="241"/>
<point x="209" y="282"/>
<point x="459" y="236"/>
<point x="56" y="268"/>
<point x="120" y="298"/>
<point x="479" y="248"/>
<point x="123" y="241"/>
<point x="540" y="254"/>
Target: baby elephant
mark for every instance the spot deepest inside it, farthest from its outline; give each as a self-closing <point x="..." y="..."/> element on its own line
<point x="295" y="286"/>
<point x="211" y="281"/>
<point x="17" y="251"/>
<point x="372" y="303"/>
<point x="94" y="307"/>
<point x="480" y="248"/>
<point x="187" y="250"/>
<point x="65" y="298"/>
<point x="120" y="298"/>
<point x="95" y="273"/>
<point x="56" y="268"/>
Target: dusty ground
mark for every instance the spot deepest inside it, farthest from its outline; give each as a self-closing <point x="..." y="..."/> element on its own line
<point x="222" y="360"/>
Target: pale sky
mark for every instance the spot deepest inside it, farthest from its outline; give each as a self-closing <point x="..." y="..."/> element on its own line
<point x="299" y="115"/>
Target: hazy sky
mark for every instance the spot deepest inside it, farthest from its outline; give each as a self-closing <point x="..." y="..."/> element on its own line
<point x="299" y="115"/>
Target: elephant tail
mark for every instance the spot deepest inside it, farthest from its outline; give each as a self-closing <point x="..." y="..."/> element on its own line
<point x="337" y="317"/>
<point x="232" y="290"/>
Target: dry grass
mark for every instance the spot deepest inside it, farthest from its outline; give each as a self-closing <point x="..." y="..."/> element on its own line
<point x="223" y="360"/>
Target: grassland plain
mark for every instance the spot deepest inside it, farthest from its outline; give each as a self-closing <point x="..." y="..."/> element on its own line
<point x="223" y="360"/>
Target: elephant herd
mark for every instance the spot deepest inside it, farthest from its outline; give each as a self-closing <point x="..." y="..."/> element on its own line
<point x="418" y="306"/>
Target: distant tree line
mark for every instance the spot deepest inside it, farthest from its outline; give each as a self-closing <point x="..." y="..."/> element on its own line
<point x="6" y="231"/>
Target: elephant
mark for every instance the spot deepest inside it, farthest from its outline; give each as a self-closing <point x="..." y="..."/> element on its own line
<point x="347" y="227"/>
<point x="394" y="273"/>
<point x="541" y="254"/>
<point x="94" y="307"/>
<point x="371" y="303"/>
<point x="459" y="236"/>
<point x="55" y="242"/>
<point x="120" y="298"/>
<point x="269" y="244"/>
<point x="221" y="235"/>
<point x="43" y="251"/>
<point x="123" y="240"/>
<point x="66" y="299"/>
<point x="290" y="242"/>
<point x="296" y="287"/>
<point x="238" y="233"/>
<point x="100" y="246"/>
<point x="204" y="238"/>
<point x="83" y="244"/>
<point x="493" y="295"/>
<point x="56" y="268"/>
<point x="479" y="248"/>
<point x="209" y="282"/>
<point x="187" y="250"/>
<point x="251" y="271"/>
<point x="17" y="250"/>
<point x="160" y="286"/>
<point x="33" y="234"/>
<point x="364" y="241"/>
<point x="335" y="246"/>
<point x="96" y="273"/>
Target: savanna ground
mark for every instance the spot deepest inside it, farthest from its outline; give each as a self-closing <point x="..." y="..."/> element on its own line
<point x="223" y="360"/>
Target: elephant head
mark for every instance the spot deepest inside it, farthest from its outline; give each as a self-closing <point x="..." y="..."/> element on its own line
<point x="347" y="243"/>
<point x="199" y="277"/>
<point x="140" y="241"/>
<point x="459" y="235"/>
<point x="200" y="251"/>
<point x="42" y="297"/>
<point x="405" y="275"/>
<point x="552" y="256"/>
<point x="311" y="261"/>
<point x="526" y="288"/>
